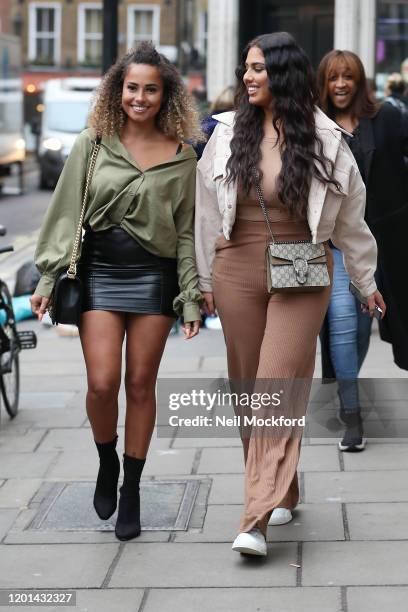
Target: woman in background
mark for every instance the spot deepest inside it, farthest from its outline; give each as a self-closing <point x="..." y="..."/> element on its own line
<point x="378" y="138"/>
<point x="223" y="103"/>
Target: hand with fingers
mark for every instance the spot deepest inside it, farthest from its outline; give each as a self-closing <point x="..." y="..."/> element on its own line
<point x="376" y="299"/>
<point x="39" y="305"/>
<point x="191" y="329"/>
<point x="208" y="304"/>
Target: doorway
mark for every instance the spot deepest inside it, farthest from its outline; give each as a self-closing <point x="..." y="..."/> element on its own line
<point x="311" y="23"/>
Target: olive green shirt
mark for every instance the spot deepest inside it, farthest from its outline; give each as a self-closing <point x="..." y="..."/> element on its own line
<point x="155" y="206"/>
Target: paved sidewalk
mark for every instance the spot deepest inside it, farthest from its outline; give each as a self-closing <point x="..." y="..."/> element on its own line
<point x="345" y="551"/>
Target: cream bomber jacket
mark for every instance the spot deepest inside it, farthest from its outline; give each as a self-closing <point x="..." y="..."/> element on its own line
<point x="331" y="215"/>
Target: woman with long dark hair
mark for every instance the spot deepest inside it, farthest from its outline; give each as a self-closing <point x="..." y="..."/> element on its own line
<point x="280" y="144"/>
<point x="137" y="262"/>
<point x="378" y="138"/>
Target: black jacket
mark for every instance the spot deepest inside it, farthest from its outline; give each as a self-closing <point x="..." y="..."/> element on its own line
<point x="384" y="142"/>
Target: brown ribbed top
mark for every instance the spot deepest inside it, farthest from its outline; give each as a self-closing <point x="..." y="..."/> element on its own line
<point x="248" y="206"/>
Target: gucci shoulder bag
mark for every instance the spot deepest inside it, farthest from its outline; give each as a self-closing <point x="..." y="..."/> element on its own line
<point x="294" y="266"/>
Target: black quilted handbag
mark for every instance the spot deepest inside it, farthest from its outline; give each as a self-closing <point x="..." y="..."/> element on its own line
<point x="66" y="299"/>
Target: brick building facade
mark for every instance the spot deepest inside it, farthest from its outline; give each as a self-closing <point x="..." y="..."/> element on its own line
<point x="60" y="35"/>
<point x="6" y="26"/>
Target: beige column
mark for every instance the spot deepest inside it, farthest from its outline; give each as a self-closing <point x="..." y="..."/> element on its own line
<point x="355" y="30"/>
<point x="222" y="55"/>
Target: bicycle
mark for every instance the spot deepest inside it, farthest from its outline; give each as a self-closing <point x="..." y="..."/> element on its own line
<point x="11" y="343"/>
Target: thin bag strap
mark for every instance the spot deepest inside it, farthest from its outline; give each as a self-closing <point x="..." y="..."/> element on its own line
<point x="71" y="273"/>
<point x="261" y="199"/>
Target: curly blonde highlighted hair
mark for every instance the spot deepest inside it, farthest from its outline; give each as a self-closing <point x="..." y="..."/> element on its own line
<point x="178" y="116"/>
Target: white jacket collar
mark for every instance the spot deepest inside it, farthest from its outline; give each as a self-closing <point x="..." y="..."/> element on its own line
<point x="323" y="122"/>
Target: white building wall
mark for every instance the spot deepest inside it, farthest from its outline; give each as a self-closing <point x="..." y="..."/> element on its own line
<point x="222" y="55"/>
<point x="354" y="30"/>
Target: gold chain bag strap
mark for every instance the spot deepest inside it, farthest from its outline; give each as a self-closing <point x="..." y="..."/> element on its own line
<point x="297" y="265"/>
<point x="66" y="299"/>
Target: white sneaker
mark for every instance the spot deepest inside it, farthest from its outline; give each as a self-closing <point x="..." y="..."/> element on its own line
<point x="251" y="543"/>
<point x="280" y="516"/>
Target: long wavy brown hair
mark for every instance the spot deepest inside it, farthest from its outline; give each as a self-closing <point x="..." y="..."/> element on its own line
<point x="294" y="96"/>
<point x="178" y="116"/>
<point x="362" y="104"/>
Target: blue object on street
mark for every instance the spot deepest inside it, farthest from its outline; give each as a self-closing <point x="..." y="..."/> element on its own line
<point x="21" y="307"/>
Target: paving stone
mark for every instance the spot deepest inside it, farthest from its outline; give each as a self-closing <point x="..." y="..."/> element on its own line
<point x="259" y="599"/>
<point x="49" y="566"/>
<point x="370" y="441"/>
<point x="44" y="418"/>
<point x="75" y="466"/>
<point x="106" y="600"/>
<point x="12" y="427"/>
<point x="221" y="461"/>
<point x="20" y="443"/>
<point x="162" y="462"/>
<point x="220" y="525"/>
<point x="158" y="443"/>
<point x="227" y="489"/>
<point x="16" y="492"/>
<point x="84" y="465"/>
<point x="179" y="365"/>
<point x="354" y="563"/>
<point x="74" y="439"/>
<point x="202" y="565"/>
<point x="53" y="383"/>
<point x="310" y="523"/>
<point x="230" y="460"/>
<point x="214" y="364"/>
<point x="382" y="521"/>
<point x="363" y="486"/>
<point x="313" y="458"/>
<point x="58" y="367"/>
<point x="51" y="399"/>
<point x="17" y="465"/>
<point x="20" y="536"/>
<point x="380" y="457"/>
<point x="377" y="599"/>
<point x="7" y="518"/>
<point x="207" y="442"/>
<point x="82" y="439"/>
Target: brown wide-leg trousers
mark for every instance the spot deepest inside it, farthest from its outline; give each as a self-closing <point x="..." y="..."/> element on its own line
<point x="268" y="336"/>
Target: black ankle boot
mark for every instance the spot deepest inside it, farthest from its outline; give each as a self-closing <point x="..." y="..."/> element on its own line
<point x="128" y="521"/>
<point x="106" y="491"/>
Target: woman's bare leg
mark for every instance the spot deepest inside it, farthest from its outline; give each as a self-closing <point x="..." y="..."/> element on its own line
<point x="145" y="342"/>
<point x="102" y="334"/>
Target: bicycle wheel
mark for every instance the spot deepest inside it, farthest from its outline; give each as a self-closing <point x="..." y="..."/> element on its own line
<point x="9" y="355"/>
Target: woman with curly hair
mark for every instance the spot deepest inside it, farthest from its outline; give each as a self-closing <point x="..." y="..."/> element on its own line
<point x="280" y="144"/>
<point x="137" y="263"/>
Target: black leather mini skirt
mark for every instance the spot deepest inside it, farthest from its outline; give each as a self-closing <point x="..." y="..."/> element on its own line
<point x="118" y="274"/>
